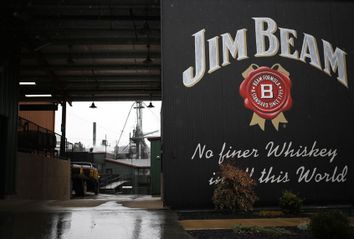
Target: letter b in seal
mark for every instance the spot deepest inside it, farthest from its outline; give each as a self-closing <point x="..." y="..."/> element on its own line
<point x="267" y="91"/>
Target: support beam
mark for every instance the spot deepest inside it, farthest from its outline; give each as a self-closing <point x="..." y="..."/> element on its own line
<point x="37" y="107"/>
<point x="90" y="67"/>
<point x="117" y="97"/>
<point x="103" y="41"/>
<point x="101" y="79"/>
<point x="63" y="131"/>
<point x="96" y="55"/>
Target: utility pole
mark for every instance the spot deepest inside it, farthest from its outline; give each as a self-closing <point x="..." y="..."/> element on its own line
<point x="94" y="134"/>
<point x="138" y="136"/>
<point x="105" y="144"/>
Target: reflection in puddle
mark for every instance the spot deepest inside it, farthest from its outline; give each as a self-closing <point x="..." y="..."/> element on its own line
<point x="101" y="224"/>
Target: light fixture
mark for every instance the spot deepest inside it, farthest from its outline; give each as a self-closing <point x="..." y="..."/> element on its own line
<point x="70" y="59"/>
<point x="27" y="83"/>
<point x="148" y="59"/>
<point x="145" y="29"/>
<point x="38" y="95"/>
<point x="150" y="105"/>
<point x="93" y="106"/>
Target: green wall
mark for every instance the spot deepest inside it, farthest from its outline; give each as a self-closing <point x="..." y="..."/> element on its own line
<point x="155" y="170"/>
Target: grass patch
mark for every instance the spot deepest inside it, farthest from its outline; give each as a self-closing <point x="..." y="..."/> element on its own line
<point x="263" y="231"/>
<point x="269" y="213"/>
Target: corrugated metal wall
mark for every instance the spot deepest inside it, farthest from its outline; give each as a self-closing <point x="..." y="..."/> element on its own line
<point x="8" y="114"/>
<point x="207" y="125"/>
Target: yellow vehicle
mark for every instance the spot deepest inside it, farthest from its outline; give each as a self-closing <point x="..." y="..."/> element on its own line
<point x="84" y="178"/>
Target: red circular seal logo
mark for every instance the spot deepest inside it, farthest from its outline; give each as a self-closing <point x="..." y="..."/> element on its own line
<point x="266" y="92"/>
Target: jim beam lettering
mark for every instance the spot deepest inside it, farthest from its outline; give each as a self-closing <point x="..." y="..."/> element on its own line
<point x="332" y="61"/>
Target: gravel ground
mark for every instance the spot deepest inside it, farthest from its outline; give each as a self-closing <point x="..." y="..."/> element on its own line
<point x="229" y="234"/>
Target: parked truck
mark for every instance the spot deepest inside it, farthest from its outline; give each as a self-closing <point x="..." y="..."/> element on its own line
<point x="84" y="178"/>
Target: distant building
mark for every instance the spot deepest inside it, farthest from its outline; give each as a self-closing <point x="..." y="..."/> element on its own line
<point x="135" y="171"/>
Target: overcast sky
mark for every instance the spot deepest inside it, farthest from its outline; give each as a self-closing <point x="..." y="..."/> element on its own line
<point x="110" y="118"/>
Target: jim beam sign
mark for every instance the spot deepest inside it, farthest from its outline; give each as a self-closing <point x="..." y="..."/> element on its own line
<point x="266" y="90"/>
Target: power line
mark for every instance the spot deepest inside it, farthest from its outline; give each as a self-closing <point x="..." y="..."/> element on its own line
<point x="125" y="123"/>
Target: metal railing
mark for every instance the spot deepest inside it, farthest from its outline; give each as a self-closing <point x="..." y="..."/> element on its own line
<point x="33" y="138"/>
<point x="106" y="179"/>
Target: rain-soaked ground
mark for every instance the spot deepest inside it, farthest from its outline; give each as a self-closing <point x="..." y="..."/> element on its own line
<point x="102" y="217"/>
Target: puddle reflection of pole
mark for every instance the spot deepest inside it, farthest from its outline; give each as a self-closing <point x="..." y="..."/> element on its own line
<point x="132" y="173"/>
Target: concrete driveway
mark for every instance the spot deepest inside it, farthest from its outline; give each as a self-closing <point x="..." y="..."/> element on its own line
<point x="96" y="218"/>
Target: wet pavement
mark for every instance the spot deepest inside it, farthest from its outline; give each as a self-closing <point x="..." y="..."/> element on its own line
<point x="106" y="219"/>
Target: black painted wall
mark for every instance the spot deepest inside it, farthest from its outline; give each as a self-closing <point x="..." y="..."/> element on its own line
<point x="212" y="112"/>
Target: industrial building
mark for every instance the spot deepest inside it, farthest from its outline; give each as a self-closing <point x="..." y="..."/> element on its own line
<point x="55" y="53"/>
<point x="264" y="85"/>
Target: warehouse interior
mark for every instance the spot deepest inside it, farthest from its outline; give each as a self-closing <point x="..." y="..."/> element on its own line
<point x="55" y="52"/>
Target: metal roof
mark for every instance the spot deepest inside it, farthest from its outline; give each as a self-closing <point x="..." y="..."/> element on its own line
<point x="136" y="163"/>
<point x="85" y="50"/>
